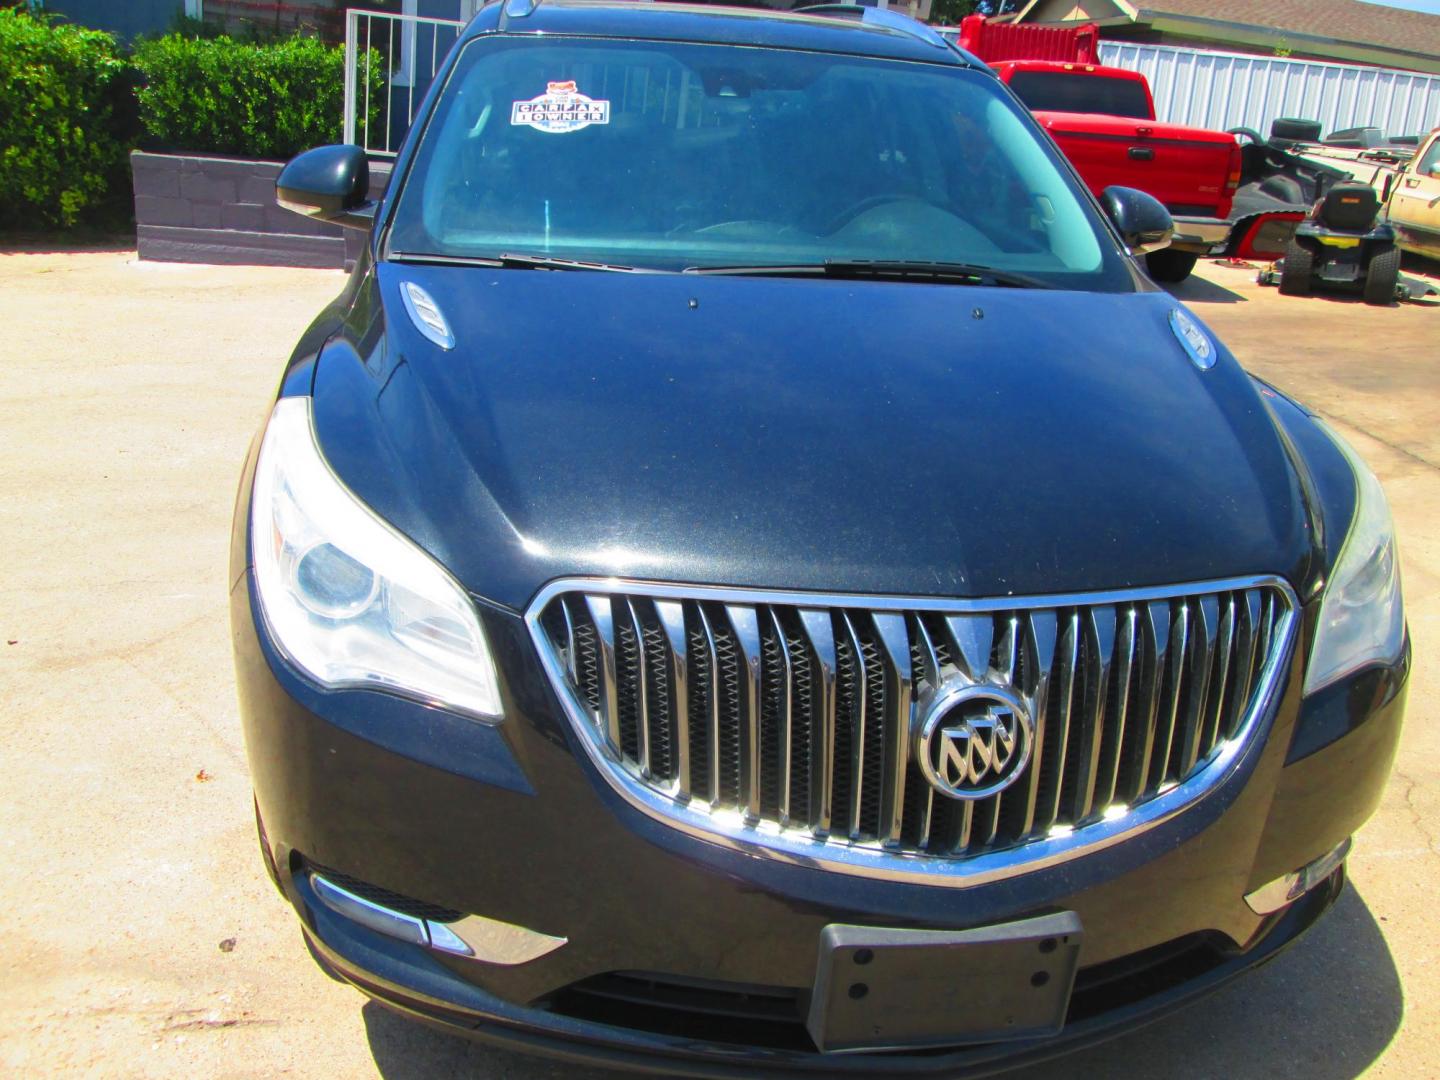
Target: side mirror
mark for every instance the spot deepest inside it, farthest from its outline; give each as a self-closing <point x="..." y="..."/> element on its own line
<point x="1142" y="220"/>
<point x="329" y="183"/>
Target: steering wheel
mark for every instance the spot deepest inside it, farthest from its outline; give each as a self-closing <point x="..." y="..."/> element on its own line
<point x="850" y="213"/>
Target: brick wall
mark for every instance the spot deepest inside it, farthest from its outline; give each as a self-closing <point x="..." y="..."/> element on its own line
<point x="223" y="210"/>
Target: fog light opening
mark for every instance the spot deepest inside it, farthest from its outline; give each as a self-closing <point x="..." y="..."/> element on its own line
<point x="1286" y="889"/>
<point x="475" y="936"/>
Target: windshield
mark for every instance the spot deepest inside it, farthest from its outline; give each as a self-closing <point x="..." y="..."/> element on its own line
<point x="669" y="156"/>
<point x="1055" y="91"/>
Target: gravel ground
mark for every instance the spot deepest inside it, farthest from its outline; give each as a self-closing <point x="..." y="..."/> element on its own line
<point x="138" y="935"/>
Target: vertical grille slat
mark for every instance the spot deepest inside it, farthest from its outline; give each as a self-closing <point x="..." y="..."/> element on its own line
<point x="1153" y="649"/>
<point x="730" y="708"/>
<point x="850" y="726"/>
<point x="973" y="639"/>
<point x="608" y="706"/>
<point x="922" y="795"/>
<point x="1202" y="656"/>
<point x="567" y="618"/>
<point x="802" y="726"/>
<point x="659" y="677"/>
<point x="1042" y="630"/>
<point x="1220" y="678"/>
<point x="1005" y="663"/>
<point x="745" y="625"/>
<point x="705" y="709"/>
<point x="757" y="711"/>
<point x="820" y="633"/>
<point x="633" y="676"/>
<point x="1245" y="652"/>
<point x="1172" y="696"/>
<point x="1099" y="636"/>
<point x="897" y="719"/>
<point x="1118" y="713"/>
<point x="778" y="680"/>
<point x="672" y="624"/>
<point x="1058" y="737"/>
<point x="874" y="781"/>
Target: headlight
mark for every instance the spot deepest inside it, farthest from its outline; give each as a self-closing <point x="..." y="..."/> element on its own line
<point x="1362" y="618"/>
<point x="346" y="598"/>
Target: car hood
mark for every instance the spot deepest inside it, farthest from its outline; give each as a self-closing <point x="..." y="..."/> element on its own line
<point x="855" y="436"/>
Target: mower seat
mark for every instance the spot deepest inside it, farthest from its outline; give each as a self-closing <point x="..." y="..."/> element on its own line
<point x="1348" y="207"/>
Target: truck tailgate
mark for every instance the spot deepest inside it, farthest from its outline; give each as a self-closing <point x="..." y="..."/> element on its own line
<point x="1188" y="169"/>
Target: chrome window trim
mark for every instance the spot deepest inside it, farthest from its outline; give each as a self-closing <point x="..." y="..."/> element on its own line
<point x="730" y="830"/>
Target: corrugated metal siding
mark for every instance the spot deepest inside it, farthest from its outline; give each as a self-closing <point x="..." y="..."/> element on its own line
<point x="1223" y="90"/>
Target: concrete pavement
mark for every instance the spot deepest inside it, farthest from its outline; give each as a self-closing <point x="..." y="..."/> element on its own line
<point x="138" y="934"/>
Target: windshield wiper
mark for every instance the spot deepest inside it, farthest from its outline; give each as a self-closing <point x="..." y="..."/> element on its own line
<point x="957" y="273"/>
<point x="510" y="261"/>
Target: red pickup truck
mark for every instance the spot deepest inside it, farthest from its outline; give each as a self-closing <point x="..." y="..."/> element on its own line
<point x="1103" y="118"/>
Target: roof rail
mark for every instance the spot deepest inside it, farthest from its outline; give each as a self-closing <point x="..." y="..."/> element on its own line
<point x="516" y="9"/>
<point x="877" y="16"/>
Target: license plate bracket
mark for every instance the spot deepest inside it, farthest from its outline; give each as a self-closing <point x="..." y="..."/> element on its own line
<point x="882" y="989"/>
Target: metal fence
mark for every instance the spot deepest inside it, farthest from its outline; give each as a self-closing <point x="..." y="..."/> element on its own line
<point x="390" y="61"/>
<point x="1223" y="90"/>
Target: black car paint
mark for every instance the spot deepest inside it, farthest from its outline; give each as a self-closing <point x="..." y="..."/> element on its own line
<point x="599" y="423"/>
<point x="511" y="821"/>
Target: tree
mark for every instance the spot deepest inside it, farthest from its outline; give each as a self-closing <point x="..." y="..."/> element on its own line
<point x="950" y="12"/>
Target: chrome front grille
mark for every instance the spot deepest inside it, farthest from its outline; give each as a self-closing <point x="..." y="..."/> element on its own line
<point x="788" y="721"/>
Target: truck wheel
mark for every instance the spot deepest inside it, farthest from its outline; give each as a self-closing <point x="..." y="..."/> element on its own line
<point x="1296" y="270"/>
<point x="1170" y="266"/>
<point x="1382" y="276"/>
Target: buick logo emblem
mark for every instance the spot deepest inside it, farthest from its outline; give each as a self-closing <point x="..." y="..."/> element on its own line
<point x="973" y="740"/>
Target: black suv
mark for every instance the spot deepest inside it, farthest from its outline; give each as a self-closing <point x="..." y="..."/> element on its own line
<point x="750" y="573"/>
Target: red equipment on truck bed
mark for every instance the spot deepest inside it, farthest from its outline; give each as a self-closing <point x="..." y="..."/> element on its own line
<point x="992" y="41"/>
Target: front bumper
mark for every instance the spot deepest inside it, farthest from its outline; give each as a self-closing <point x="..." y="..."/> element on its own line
<point x="1200" y="234"/>
<point x="1108" y="1001"/>
<point x="511" y="823"/>
<point x="1417" y="240"/>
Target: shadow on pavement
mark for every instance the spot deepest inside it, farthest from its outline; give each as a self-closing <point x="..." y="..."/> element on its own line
<point x="1196" y="290"/>
<point x="1323" y="1010"/>
<point x="17" y="244"/>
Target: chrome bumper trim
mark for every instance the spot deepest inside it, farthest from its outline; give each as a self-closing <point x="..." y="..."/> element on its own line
<point x="488" y="940"/>
<point x="1200" y="232"/>
<point x="1286" y="889"/>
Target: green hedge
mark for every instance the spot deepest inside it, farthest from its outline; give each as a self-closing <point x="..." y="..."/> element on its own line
<point x="63" y="142"/>
<point x="69" y="114"/>
<point x="222" y="96"/>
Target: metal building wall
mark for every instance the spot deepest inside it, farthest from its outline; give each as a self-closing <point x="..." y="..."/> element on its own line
<point x="1222" y="90"/>
<point x="126" y="20"/>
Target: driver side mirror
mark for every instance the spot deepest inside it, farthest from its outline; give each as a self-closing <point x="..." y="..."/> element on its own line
<point x="328" y="183"/>
<point x="1142" y="220"/>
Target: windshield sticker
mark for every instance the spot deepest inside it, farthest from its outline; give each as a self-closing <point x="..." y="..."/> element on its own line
<point x="562" y="108"/>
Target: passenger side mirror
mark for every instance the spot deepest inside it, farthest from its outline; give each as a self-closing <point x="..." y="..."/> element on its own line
<point x="1142" y="220"/>
<point x="328" y="183"/>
